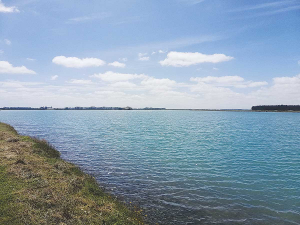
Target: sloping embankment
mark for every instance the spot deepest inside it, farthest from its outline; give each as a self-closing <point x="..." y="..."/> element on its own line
<point x="38" y="187"/>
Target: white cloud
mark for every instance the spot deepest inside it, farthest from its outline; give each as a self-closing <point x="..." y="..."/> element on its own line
<point x="110" y="76"/>
<point x="285" y="90"/>
<point x="7" y="42"/>
<point x="215" y="68"/>
<point x="287" y="80"/>
<point x="75" y="81"/>
<point x="30" y="59"/>
<point x="143" y="57"/>
<point x="7" y="68"/>
<point x="54" y="77"/>
<point x="210" y="90"/>
<point x="74" y="62"/>
<point x="17" y="84"/>
<point x="158" y="86"/>
<point x="180" y="59"/>
<point x="5" y="9"/>
<point x="153" y="53"/>
<point x="158" y="83"/>
<point x="1" y="52"/>
<point x="161" y="51"/>
<point x="257" y="84"/>
<point x="117" y="64"/>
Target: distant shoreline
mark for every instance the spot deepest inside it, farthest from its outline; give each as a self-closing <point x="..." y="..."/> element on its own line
<point x="208" y="110"/>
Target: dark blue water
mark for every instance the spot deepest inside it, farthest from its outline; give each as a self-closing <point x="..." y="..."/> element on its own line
<point x="183" y="167"/>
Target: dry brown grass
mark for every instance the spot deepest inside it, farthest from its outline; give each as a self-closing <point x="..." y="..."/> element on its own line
<point x="38" y="187"/>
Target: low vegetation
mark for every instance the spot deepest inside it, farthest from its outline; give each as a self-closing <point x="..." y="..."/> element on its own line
<point x="38" y="187"/>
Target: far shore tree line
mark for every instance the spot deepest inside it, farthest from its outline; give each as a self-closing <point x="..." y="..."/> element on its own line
<point x="277" y="107"/>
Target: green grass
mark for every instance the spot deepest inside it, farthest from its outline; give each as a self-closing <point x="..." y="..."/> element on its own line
<point x="38" y="187"/>
<point x="8" y="205"/>
<point x="43" y="148"/>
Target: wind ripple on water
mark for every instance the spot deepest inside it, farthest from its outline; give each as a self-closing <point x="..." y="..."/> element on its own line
<point x="183" y="167"/>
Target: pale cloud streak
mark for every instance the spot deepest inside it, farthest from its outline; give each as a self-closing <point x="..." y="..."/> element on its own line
<point x="184" y="59"/>
<point x="287" y="9"/>
<point x="6" y="9"/>
<point x="7" y="42"/>
<point x="263" y="6"/>
<point x="74" y="62"/>
<point x="17" y="84"/>
<point x="7" y="68"/>
<point x="218" y="80"/>
<point x="191" y="2"/>
<point x="110" y="76"/>
<point x="82" y="19"/>
<point x="268" y="9"/>
<point x="80" y="82"/>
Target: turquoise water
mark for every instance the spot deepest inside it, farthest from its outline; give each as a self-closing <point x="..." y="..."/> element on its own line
<point x="183" y="167"/>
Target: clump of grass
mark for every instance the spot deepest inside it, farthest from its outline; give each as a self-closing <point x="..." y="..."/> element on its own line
<point x="44" y="148"/>
<point x="12" y="140"/>
<point x="7" y="127"/>
<point x="20" y="161"/>
<point x="38" y="187"/>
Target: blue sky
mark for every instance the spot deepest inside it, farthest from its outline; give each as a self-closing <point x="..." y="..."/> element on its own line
<point x="171" y="53"/>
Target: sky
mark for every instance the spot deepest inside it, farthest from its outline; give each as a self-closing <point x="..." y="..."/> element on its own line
<point x="195" y="54"/>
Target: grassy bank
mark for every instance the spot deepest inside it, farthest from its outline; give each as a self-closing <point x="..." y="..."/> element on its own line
<point x="38" y="187"/>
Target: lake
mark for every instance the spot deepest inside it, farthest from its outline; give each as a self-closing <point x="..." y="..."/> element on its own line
<point x="183" y="167"/>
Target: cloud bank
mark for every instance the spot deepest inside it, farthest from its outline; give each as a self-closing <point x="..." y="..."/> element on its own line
<point x="229" y="81"/>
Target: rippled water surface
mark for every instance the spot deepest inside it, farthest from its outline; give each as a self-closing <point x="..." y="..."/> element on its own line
<point x="183" y="167"/>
